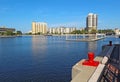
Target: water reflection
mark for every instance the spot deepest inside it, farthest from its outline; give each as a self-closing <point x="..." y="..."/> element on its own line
<point x="92" y="46"/>
<point x="117" y="41"/>
<point x="39" y="45"/>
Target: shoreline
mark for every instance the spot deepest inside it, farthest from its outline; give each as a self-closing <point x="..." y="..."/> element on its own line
<point x="8" y="36"/>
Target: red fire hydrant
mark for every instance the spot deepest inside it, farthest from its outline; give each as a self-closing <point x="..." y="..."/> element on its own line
<point x="90" y="61"/>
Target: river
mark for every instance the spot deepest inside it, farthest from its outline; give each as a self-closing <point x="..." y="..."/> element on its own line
<point x="43" y="58"/>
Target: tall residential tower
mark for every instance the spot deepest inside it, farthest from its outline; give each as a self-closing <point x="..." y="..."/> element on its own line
<point x="91" y="22"/>
<point x="39" y="27"/>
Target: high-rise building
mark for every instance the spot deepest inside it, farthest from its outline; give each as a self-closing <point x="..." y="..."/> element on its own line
<point x="91" y="22"/>
<point x="39" y="27"/>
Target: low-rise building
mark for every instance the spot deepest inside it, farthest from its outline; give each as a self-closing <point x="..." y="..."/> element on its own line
<point x="2" y="29"/>
<point x="61" y="30"/>
<point x="117" y="31"/>
<point x="82" y="28"/>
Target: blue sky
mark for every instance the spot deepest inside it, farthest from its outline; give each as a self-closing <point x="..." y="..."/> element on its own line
<point x="19" y="14"/>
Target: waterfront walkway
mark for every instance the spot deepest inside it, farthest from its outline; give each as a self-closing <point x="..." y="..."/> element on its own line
<point x="108" y="69"/>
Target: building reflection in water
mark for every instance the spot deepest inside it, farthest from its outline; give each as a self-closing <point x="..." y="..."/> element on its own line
<point x="39" y="45"/>
<point x="92" y="46"/>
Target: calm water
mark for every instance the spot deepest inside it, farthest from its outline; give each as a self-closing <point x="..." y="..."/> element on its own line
<point x="43" y="59"/>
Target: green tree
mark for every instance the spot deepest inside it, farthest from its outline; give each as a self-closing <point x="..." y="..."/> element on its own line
<point x="29" y="33"/>
<point x="84" y="32"/>
<point x="9" y="32"/>
<point x="93" y="31"/>
<point x="79" y="32"/>
<point x="39" y="33"/>
<point x="76" y="32"/>
<point x="106" y="31"/>
<point x="19" y="33"/>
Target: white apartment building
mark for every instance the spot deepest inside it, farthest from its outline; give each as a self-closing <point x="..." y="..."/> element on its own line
<point x="61" y="30"/>
<point x="67" y="30"/>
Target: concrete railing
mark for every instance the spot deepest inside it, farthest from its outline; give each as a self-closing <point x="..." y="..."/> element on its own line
<point x="83" y="73"/>
<point x="97" y="73"/>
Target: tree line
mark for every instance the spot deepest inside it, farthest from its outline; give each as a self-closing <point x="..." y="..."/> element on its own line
<point x="11" y="33"/>
<point x="105" y="31"/>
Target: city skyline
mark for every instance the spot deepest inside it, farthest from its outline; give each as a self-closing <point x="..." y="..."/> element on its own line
<point x="19" y="14"/>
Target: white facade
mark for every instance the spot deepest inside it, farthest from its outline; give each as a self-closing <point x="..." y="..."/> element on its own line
<point x="72" y="29"/>
<point x="117" y="31"/>
<point x="67" y="30"/>
<point x="53" y="30"/>
<point x="94" y="20"/>
<point x="82" y="29"/>
<point x="91" y="21"/>
<point x="61" y="30"/>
